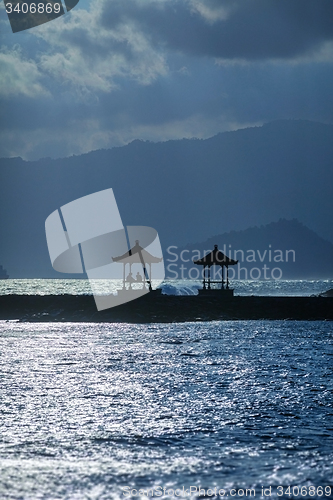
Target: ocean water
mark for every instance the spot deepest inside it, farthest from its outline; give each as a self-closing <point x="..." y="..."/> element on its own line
<point x="103" y="411"/>
<point x="169" y="287"/>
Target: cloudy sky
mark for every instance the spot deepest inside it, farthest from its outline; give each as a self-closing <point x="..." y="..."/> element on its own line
<point x="111" y="71"/>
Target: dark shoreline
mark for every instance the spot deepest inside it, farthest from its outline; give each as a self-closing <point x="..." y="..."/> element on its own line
<point x="157" y="308"/>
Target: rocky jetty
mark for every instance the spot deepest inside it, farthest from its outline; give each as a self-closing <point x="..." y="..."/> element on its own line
<point x="157" y="308"/>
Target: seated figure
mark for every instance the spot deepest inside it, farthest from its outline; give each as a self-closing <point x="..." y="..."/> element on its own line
<point x="130" y="278"/>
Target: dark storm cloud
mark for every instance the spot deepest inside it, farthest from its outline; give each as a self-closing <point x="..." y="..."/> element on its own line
<point x="252" y="29"/>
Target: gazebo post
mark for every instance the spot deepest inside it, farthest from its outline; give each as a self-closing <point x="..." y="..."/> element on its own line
<point x="124" y="276"/>
<point x="222" y="279"/>
<point x="208" y="277"/>
<point x="227" y="277"/>
<point x="150" y="287"/>
<point x="204" y="277"/>
<point x="130" y="284"/>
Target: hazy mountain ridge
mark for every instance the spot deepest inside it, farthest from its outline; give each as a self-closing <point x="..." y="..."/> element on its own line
<point x="287" y="245"/>
<point x="186" y="189"/>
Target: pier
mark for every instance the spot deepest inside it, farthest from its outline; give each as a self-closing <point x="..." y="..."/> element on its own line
<point x="157" y="308"/>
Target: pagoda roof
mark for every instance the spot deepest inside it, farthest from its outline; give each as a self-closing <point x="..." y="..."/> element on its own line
<point x="215" y="257"/>
<point x="136" y="255"/>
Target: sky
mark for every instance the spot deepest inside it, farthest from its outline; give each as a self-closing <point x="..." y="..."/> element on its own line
<point x="111" y="71"/>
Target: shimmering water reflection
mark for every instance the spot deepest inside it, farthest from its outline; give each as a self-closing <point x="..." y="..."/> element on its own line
<point x="169" y="287"/>
<point x="89" y="409"/>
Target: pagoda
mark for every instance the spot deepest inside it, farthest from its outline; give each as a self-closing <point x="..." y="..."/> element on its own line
<point x="138" y="255"/>
<point x="216" y="258"/>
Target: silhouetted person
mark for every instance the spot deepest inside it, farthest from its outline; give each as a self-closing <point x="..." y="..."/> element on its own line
<point x="138" y="277"/>
<point x="130" y="278"/>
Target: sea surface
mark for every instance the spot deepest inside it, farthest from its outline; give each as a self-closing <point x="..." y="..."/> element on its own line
<point x="111" y="411"/>
<point x="102" y="411"/>
<point x="169" y="287"/>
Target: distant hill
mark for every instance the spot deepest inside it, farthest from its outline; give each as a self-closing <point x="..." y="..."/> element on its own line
<point x="186" y="189"/>
<point x="287" y="248"/>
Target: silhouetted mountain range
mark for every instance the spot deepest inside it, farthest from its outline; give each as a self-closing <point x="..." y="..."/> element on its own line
<point x="287" y="248"/>
<point x="186" y="189"/>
